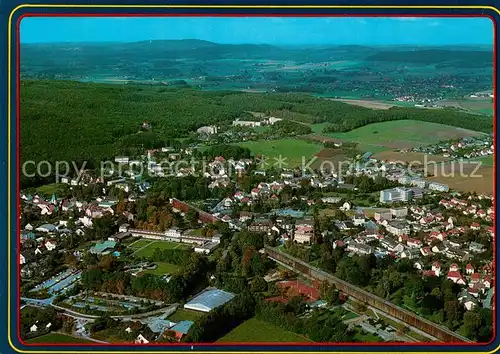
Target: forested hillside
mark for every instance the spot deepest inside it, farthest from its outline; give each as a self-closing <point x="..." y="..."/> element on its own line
<point x="77" y="121"/>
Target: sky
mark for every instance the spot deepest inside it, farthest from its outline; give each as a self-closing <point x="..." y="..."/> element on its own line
<point x="258" y="30"/>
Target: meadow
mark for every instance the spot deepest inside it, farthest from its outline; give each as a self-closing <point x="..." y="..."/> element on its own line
<point x="403" y="134"/>
<point x="255" y="330"/>
<point x="291" y="150"/>
<point x="57" y="338"/>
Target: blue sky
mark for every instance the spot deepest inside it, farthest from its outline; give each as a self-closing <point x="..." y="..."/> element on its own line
<point x="270" y="30"/>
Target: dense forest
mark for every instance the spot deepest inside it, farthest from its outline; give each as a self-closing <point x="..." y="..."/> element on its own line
<point x="95" y="122"/>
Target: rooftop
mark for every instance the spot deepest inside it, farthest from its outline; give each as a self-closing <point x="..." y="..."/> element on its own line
<point x="208" y="300"/>
<point x="182" y="327"/>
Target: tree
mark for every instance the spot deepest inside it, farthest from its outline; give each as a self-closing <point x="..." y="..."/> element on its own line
<point x="258" y="284"/>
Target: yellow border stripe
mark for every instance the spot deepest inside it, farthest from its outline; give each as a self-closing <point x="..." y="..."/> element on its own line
<point x="75" y="6"/>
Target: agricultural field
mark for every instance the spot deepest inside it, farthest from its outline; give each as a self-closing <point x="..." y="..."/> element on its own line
<point x="414" y="158"/>
<point x="479" y="106"/>
<point x="148" y="250"/>
<point x="184" y="315"/>
<point x="57" y="338"/>
<point x="450" y="174"/>
<point x="403" y="134"/>
<point x="366" y="103"/>
<point x="255" y="330"/>
<point x="486" y="161"/>
<point x="290" y="150"/>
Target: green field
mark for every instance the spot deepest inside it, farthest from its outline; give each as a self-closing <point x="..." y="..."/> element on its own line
<point x="485" y="161"/>
<point x="163" y="268"/>
<point x="291" y="150"/>
<point x="140" y="243"/>
<point x="185" y="315"/>
<point x="163" y="245"/>
<point x="57" y="338"/>
<point x="255" y="330"/>
<point x="349" y="316"/>
<point x="54" y="188"/>
<point x="400" y="134"/>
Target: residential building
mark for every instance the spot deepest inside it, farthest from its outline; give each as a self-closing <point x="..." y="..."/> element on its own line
<point x="399" y="212"/>
<point x="398" y="227"/>
<point x="359" y="248"/>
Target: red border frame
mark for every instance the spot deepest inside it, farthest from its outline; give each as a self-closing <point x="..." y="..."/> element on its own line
<point x="271" y="344"/>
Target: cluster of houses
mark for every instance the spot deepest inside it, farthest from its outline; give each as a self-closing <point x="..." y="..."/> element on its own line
<point x="476" y="283"/>
<point x="467" y="147"/>
<point x="470" y="208"/>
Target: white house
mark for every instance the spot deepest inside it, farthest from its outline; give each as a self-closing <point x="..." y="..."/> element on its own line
<point x="50" y="245"/>
<point x="34" y="328"/>
<point x="141" y="340"/>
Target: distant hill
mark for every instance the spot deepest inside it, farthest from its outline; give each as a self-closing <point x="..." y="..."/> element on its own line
<point x="457" y="58"/>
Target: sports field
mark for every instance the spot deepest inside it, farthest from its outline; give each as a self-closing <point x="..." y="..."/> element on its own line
<point x="57" y="338"/>
<point x="147" y="249"/>
<point x="290" y="150"/>
<point x="255" y="330"/>
<point x="403" y="134"/>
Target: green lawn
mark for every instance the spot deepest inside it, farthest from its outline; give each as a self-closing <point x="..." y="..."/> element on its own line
<point x="291" y="150"/>
<point x="318" y="128"/>
<point x="54" y="188"/>
<point x="139" y="243"/>
<point x="163" y="268"/>
<point x="262" y="129"/>
<point x="185" y="315"/>
<point x="349" y="315"/>
<point x="401" y="134"/>
<point x="163" y="245"/>
<point x="418" y="337"/>
<point x="57" y="338"/>
<point x="255" y="330"/>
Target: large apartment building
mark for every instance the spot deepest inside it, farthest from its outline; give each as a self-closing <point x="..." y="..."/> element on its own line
<point x="400" y="194"/>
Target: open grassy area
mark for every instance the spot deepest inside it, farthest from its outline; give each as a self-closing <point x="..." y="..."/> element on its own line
<point x="255" y="330"/>
<point x="185" y="315"/>
<point x="139" y="243"/>
<point x="54" y="188"/>
<point x="402" y="134"/>
<point x="57" y="338"/>
<point x="163" y="245"/>
<point x="290" y="150"/>
<point x="418" y="337"/>
<point x="163" y="268"/>
<point x="349" y="316"/>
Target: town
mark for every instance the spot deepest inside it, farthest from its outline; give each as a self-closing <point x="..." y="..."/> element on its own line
<point x="143" y="258"/>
